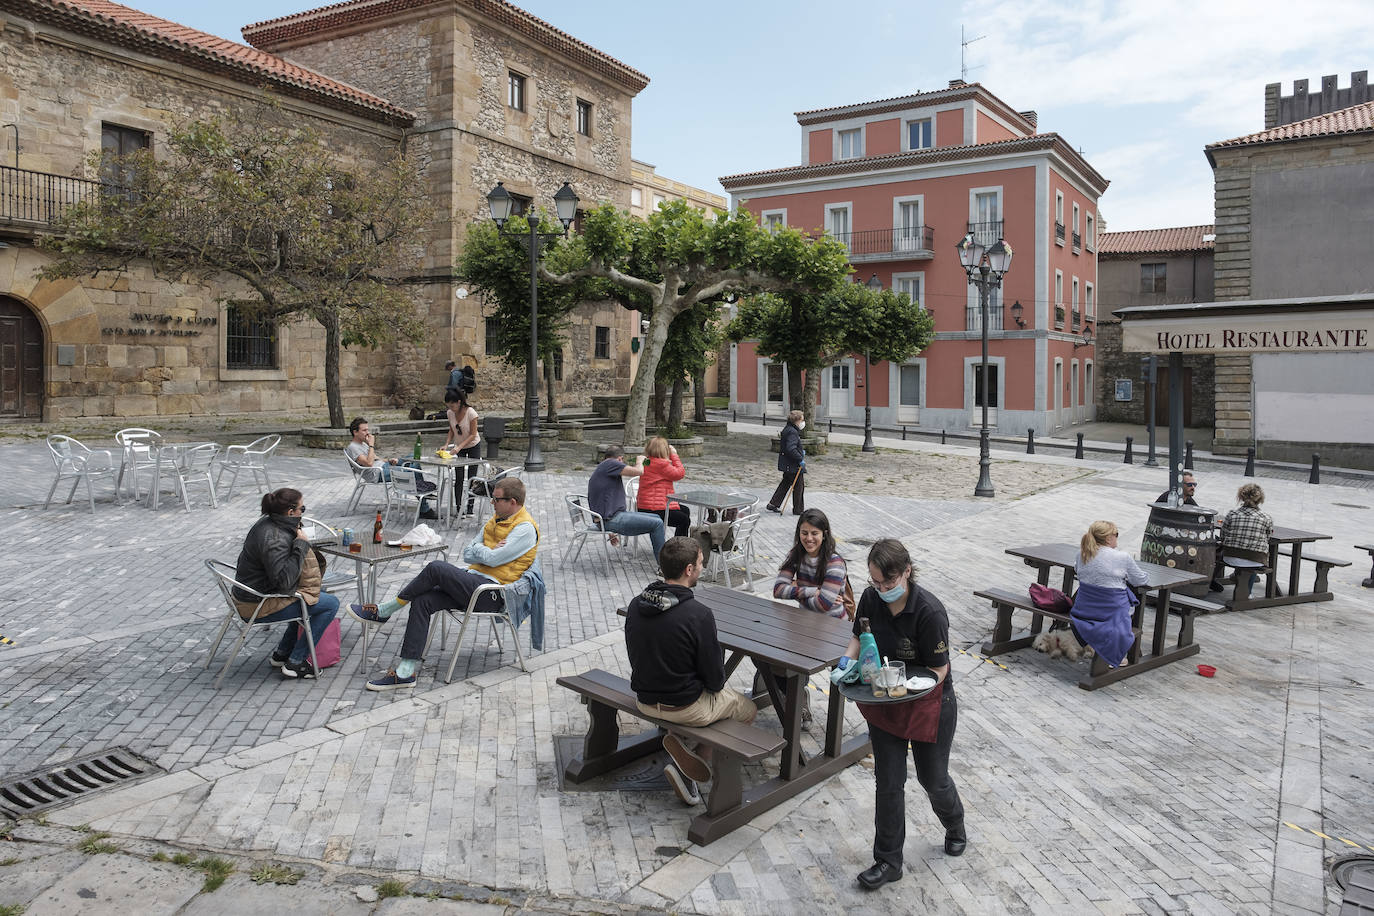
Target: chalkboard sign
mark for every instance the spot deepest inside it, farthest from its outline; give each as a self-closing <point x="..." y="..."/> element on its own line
<point x="1123" y="389"/>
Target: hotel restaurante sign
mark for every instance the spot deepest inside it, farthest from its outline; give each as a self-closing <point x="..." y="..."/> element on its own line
<point x="1231" y="328"/>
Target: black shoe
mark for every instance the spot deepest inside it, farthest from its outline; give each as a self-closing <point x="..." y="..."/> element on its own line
<point x="279" y="658"/>
<point x="1216" y="587"/>
<point x="956" y="841"/>
<point x="878" y="874"/>
<point x="773" y="509"/>
<point x="428" y="514"/>
<point x="298" y="670"/>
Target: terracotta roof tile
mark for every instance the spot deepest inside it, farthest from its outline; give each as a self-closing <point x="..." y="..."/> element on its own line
<point x="1047" y="142"/>
<point x="1157" y="241"/>
<point x="1355" y="119"/>
<point x="298" y="28"/>
<point x="145" y="33"/>
<point x="899" y="103"/>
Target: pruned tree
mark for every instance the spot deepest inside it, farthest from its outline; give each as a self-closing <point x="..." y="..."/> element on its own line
<point x="678" y="258"/>
<point x="497" y="266"/>
<point x="692" y="337"/>
<point x="272" y="204"/>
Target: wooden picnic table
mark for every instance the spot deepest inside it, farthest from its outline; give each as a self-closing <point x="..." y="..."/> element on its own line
<point x="1161" y="580"/>
<point x="1294" y="538"/>
<point x="794" y="644"/>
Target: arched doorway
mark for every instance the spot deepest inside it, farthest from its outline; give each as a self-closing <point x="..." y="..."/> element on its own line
<point x="21" y="361"/>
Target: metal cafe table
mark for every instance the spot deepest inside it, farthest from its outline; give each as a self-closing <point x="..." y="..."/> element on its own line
<point x="794" y="644"/>
<point x="713" y="502"/>
<point x="1159" y="579"/>
<point x="448" y="476"/>
<point x="373" y="555"/>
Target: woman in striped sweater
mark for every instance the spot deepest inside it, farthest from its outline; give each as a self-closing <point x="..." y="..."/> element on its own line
<point x="814" y="575"/>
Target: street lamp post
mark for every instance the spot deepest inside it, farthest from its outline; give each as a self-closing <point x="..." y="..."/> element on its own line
<point x="985" y="267"/>
<point x="500" y="202"/>
<point x="876" y="286"/>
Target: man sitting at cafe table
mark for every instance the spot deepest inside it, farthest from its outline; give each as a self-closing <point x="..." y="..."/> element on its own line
<point x="501" y="553"/>
<point x="677" y="669"/>
<point x="1189" y="485"/>
<point x="606" y="497"/>
<point x="363" y="450"/>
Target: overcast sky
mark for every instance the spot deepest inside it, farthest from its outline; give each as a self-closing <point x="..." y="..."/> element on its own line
<point x="1140" y="88"/>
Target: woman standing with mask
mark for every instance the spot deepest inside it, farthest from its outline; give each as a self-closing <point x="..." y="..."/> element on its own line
<point x="792" y="463"/>
<point x="910" y="625"/>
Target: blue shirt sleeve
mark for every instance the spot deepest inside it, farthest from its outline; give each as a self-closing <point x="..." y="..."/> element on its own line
<point x="518" y="543"/>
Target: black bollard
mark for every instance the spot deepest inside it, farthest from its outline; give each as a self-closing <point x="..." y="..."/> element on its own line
<point x="1250" y="461"/>
<point x="1078" y="452"/>
<point x="1316" y="475"/>
<point x="832" y="426"/>
<point x="763" y="420"/>
<point x="1030" y="442"/>
<point x="1187" y="454"/>
<point x="1129" y="459"/>
<point x="903" y="433"/>
<point x="734" y="416"/>
<point x="942" y="437"/>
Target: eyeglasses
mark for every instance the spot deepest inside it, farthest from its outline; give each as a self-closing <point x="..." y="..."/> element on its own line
<point x="1190" y="483"/>
<point x="497" y="499"/>
<point x="301" y="508"/>
<point x="887" y="584"/>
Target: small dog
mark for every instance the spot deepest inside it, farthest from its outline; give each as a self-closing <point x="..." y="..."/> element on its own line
<point x="1058" y="641"/>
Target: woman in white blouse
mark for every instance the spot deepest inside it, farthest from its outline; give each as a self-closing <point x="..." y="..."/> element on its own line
<point x="1101" y="615"/>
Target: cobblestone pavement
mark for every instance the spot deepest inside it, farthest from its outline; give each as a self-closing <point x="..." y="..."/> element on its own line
<point x="1164" y="793"/>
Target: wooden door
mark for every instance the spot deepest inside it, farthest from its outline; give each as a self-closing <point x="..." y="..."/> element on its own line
<point x="1162" y="396"/>
<point x="21" y="361"/>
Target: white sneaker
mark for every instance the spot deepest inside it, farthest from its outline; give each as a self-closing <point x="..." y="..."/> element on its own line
<point x="684" y="788"/>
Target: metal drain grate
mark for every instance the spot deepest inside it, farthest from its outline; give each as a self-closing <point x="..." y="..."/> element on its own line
<point x="1360" y="867"/>
<point x="73" y="780"/>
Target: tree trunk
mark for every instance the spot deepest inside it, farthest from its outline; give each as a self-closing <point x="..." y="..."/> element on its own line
<point x="809" y="391"/>
<point x="637" y="410"/>
<point x="659" y="391"/>
<point x="331" y="369"/>
<point x="699" y="396"/>
<point x="675" y="407"/>
<point x="794" y="388"/>
<point x="550" y="393"/>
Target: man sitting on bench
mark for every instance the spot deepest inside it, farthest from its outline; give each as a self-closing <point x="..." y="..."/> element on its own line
<point x="677" y="669"/>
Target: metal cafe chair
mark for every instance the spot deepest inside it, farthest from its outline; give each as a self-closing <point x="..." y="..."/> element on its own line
<point x="194" y="465"/>
<point x="585" y="523"/>
<point x="252" y="458"/>
<point x="140" y="448"/>
<point x="224" y="578"/>
<point x="78" y="463"/>
<point x="495" y="618"/>
<point x="364" y="477"/>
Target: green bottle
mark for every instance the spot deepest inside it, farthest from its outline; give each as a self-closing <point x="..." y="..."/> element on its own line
<point x="419" y="449"/>
<point x="870" y="662"/>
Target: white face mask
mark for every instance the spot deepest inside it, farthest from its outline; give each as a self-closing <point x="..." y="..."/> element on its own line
<point x="801" y="425"/>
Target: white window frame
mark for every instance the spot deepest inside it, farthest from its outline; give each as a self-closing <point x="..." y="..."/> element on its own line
<point x="1073" y="303"/>
<point x="524" y="86"/>
<point x="919" y="276"/>
<point x="636" y="197"/>
<point x="766" y="215"/>
<point x="840" y="135"/>
<point x="894" y="391"/>
<point x="971" y="364"/>
<point x="906" y="133"/>
<point x="975" y="193"/>
<point x="1089" y="306"/>
<point x="581" y="106"/>
<point x="1058" y="216"/>
<point x="764" y="363"/>
<point x="1058" y="287"/>
<point x="656" y="200"/>
<point x="848" y="207"/>
<point x="1089" y="242"/>
<point x="1074" y="228"/>
<point x="897" y="202"/>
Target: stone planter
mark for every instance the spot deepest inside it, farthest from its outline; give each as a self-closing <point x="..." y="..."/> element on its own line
<point x="611" y="406"/>
<point x="517" y="441"/>
<point x="708" y="427"/>
<point x="814" y="445"/>
<point x="631" y="451"/>
<point x="689" y="448"/>
<point x="394" y="440"/>
<point x="570" y="430"/>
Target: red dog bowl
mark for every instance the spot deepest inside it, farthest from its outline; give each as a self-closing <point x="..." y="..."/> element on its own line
<point x="1206" y="670"/>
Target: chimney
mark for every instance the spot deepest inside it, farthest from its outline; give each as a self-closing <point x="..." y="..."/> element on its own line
<point x="1032" y="117"/>
<point x="957" y="84"/>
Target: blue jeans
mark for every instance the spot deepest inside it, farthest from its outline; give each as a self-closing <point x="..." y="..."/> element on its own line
<point x="293" y="641"/>
<point x="632" y="523"/>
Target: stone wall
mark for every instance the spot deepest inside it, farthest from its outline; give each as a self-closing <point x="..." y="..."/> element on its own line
<point x="1235" y="430"/>
<point x="1113" y="363"/>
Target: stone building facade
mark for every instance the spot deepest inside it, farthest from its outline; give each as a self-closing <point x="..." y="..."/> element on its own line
<point x="432" y="79"/>
<point x="1152" y="267"/>
<point x="1293" y="220"/>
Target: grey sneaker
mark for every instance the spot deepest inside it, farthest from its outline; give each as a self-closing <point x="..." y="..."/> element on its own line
<point x="684" y="788"/>
<point x="690" y="763"/>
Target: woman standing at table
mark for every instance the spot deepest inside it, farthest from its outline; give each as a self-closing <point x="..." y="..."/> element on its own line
<point x="466" y="440"/>
<point x="1101" y="613"/>
<point x="813" y="574"/>
<point x="910" y="625"/>
<point x="277" y="558"/>
<point x="1245" y="533"/>
<point x="662" y="468"/>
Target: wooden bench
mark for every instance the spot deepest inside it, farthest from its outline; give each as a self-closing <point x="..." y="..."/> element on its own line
<point x="733" y="743"/>
<point x="1242" y="566"/>
<point x="1186" y="607"/>
<point x="1324" y="565"/>
<point x="1369" y="549"/>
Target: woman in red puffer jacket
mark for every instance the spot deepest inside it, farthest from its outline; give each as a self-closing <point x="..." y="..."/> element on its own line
<point x="661" y="468"/>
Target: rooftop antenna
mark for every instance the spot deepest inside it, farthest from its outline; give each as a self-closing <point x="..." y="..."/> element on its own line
<point x="964" y="42"/>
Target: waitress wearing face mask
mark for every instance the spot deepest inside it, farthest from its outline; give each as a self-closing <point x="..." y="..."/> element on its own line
<point x="792" y="463"/>
<point x="909" y="624"/>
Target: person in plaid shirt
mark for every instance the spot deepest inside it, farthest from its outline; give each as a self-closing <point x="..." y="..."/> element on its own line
<point x="1245" y="532"/>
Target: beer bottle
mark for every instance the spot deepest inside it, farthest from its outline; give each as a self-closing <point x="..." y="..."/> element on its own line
<point x="869" y="660"/>
<point x="418" y="448"/>
<point x="377" y="533"/>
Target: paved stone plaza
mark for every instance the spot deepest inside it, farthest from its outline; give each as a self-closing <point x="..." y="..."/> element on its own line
<point x="1164" y="793"/>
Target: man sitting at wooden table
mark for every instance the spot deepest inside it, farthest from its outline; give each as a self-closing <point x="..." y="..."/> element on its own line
<point x="501" y="553"/>
<point x="677" y="668"/>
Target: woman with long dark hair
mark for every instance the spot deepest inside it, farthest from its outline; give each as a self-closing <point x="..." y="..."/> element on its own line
<point x="814" y="575"/>
<point x="466" y="440"/>
<point x="909" y="625"/>
<point x="277" y="559"/>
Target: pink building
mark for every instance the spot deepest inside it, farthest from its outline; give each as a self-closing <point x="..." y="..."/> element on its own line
<point x="900" y="181"/>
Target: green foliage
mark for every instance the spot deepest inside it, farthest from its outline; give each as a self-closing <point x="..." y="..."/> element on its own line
<point x="265" y="200"/>
<point x="12" y="909"/>
<point x="94" y="844"/>
<point x="390" y="888"/>
<point x="276" y="874"/>
<point x="216" y="870"/>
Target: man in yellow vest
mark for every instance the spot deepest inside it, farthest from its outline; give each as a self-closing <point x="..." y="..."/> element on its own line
<point x="501" y="553"/>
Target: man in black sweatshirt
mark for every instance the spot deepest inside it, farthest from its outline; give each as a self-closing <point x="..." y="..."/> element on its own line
<point x="677" y="669"/>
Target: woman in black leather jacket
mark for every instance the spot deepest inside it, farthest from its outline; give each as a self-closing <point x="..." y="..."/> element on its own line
<point x="277" y="559"/>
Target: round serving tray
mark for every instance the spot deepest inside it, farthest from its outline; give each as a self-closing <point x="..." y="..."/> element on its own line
<point x="862" y="693"/>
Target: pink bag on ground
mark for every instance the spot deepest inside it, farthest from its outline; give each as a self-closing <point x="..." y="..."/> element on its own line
<point x="328" y="650"/>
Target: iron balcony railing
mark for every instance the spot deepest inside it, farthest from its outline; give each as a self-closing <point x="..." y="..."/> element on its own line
<point x="974" y="316"/>
<point x="40" y="198"/>
<point x="1077" y="241"/>
<point x="1077" y="320"/>
<point x="1059" y="317"/>
<point x="1059" y="232"/>
<point x="907" y="241"/>
<point x="986" y="233"/>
